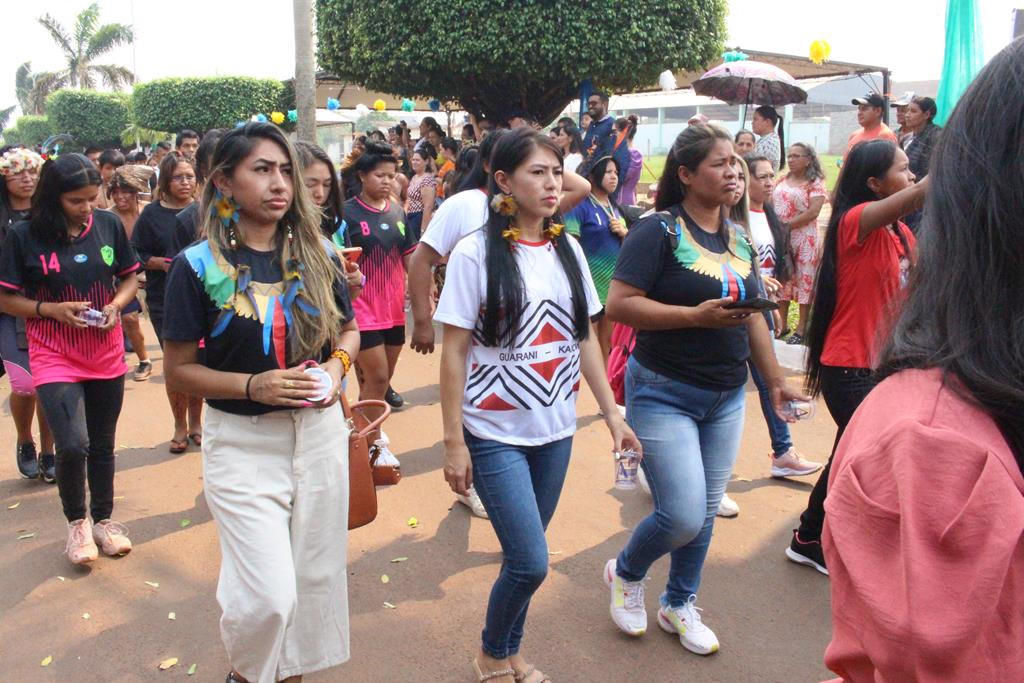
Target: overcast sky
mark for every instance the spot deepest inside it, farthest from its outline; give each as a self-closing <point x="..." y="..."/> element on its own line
<point x="211" y="37"/>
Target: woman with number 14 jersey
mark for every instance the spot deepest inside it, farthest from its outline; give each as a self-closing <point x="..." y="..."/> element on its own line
<point x="70" y="271"/>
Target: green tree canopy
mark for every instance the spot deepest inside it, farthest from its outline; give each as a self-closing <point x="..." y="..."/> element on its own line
<point x="203" y="103"/>
<point x="90" y="117"/>
<point x="29" y="130"/>
<point x="496" y="56"/>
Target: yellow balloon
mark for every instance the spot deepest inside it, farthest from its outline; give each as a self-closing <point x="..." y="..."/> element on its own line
<point x="277" y="117"/>
<point x="379" y="105"/>
<point x="820" y="51"/>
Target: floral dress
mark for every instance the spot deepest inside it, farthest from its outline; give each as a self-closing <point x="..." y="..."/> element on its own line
<point x="790" y="201"/>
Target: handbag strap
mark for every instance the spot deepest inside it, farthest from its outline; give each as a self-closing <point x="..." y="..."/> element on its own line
<point x="362" y="405"/>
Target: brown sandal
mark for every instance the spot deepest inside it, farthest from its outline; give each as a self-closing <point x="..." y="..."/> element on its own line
<point x="481" y="676"/>
<point x="179" y="446"/>
<point x="197" y="438"/>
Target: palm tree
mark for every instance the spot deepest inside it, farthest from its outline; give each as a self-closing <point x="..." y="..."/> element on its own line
<point x="5" y="115"/>
<point x="32" y="88"/>
<point x="89" y="41"/>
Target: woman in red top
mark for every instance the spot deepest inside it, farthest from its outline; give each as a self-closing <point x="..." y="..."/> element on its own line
<point x="925" y="532"/>
<point x="867" y="257"/>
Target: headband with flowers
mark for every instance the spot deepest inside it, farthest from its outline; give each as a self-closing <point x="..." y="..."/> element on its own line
<point x="18" y="160"/>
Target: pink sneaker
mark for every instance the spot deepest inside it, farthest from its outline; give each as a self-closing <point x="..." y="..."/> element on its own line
<point x="792" y="464"/>
<point x="80" y="548"/>
<point x="112" y="537"/>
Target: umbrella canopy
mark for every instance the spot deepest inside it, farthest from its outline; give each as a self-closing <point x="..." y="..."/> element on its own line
<point x="750" y="82"/>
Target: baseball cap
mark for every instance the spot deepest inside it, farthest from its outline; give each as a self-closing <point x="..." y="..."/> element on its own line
<point x="904" y="100"/>
<point x="872" y="98"/>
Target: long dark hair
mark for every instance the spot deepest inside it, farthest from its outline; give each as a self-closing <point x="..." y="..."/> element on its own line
<point x="768" y="112"/>
<point x="575" y="139"/>
<point x="477" y="176"/>
<point x="66" y="173"/>
<point x="871" y="159"/>
<point x="463" y="165"/>
<point x="504" y="307"/>
<point x="310" y="154"/>
<point x="967" y="320"/>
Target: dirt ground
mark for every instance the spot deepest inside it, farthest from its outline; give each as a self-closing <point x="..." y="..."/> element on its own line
<point x="112" y="622"/>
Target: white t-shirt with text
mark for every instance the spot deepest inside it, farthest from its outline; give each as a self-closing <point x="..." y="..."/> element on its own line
<point x="524" y="393"/>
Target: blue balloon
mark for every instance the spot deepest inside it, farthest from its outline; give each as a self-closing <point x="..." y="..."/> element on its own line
<point x="262" y="118"/>
<point x="333" y="103"/>
<point x="239" y="124"/>
<point x="435" y="105"/>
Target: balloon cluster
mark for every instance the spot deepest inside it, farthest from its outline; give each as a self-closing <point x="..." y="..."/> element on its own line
<point x="820" y="51"/>
<point x="275" y="116"/>
<point x="734" y="56"/>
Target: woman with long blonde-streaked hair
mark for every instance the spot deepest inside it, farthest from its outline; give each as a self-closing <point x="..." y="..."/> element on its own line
<point x="266" y="292"/>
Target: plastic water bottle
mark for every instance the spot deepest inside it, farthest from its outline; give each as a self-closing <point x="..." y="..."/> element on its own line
<point x="626" y="463"/>
<point x="799" y="410"/>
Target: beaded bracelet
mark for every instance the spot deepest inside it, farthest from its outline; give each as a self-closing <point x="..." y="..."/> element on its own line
<point x="346" y="360"/>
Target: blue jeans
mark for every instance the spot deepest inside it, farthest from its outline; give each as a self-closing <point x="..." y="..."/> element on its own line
<point x="778" y="429"/>
<point x="519" y="486"/>
<point x="690" y="437"/>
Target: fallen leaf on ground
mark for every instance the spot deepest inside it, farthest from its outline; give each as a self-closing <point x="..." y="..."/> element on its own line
<point x="192" y="669"/>
<point x="14" y="506"/>
<point x="152" y="584"/>
<point x="24" y="536"/>
<point x="413" y="522"/>
<point x="184" y="523"/>
<point x="399" y="559"/>
<point x="384" y="578"/>
<point x="86" y="615"/>
<point x="168" y="663"/>
<point x="172" y="616"/>
<point x="388" y="605"/>
<point x="46" y="660"/>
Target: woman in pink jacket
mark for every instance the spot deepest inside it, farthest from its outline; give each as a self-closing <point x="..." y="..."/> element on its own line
<point x="924" y="533"/>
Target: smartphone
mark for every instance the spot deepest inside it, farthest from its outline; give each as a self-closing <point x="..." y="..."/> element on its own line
<point x="757" y="303"/>
<point x="352" y="254"/>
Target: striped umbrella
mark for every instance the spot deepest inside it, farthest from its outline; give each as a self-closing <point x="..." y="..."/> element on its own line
<point x="750" y="82"/>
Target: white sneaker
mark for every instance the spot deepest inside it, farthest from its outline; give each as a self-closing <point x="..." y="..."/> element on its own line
<point x="627" y="606"/>
<point x="792" y="465"/>
<point x="641" y="479"/>
<point x="727" y="507"/>
<point x="686" y="623"/>
<point x="473" y="502"/>
<point x="385" y="457"/>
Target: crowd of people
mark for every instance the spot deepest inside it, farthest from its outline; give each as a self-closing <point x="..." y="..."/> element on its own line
<point x="261" y="261"/>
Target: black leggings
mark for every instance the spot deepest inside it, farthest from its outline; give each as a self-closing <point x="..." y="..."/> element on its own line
<point x="844" y="389"/>
<point x="83" y="417"/>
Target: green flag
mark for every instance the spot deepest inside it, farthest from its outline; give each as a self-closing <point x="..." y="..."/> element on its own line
<point x="963" y="59"/>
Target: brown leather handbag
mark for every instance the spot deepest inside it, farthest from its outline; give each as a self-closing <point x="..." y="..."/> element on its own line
<point x="362" y="494"/>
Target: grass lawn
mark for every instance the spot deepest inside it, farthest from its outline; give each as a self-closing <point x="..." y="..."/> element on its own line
<point x="653" y="166"/>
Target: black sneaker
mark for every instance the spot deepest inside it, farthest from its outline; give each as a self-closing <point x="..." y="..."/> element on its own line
<point x="28" y="462"/>
<point x="394" y="398"/>
<point x="807" y="553"/>
<point x="48" y="468"/>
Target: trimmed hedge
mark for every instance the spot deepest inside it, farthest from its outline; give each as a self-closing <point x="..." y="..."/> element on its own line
<point x="29" y="131"/>
<point x="204" y="103"/>
<point x="90" y="117"/>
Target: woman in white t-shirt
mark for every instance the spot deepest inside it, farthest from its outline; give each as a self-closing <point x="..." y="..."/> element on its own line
<point x="516" y="310"/>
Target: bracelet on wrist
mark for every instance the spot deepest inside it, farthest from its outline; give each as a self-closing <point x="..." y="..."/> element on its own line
<point x="344" y="357"/>
<point x="248" y="382"/>
<point x="39" y="309"/>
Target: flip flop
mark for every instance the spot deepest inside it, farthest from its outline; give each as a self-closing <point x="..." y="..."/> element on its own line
<point x="179" y="446"/>
<point x="197" y="438"/>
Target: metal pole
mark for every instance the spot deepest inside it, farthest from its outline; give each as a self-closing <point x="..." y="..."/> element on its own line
<point x="886" y="87"/>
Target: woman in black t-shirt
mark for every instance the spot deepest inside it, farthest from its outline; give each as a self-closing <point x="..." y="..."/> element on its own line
<point x="677" y="272"/>
<point x="154" y="240"/>
<point x="266" y="292"/>
<point x="70" y="271"/>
